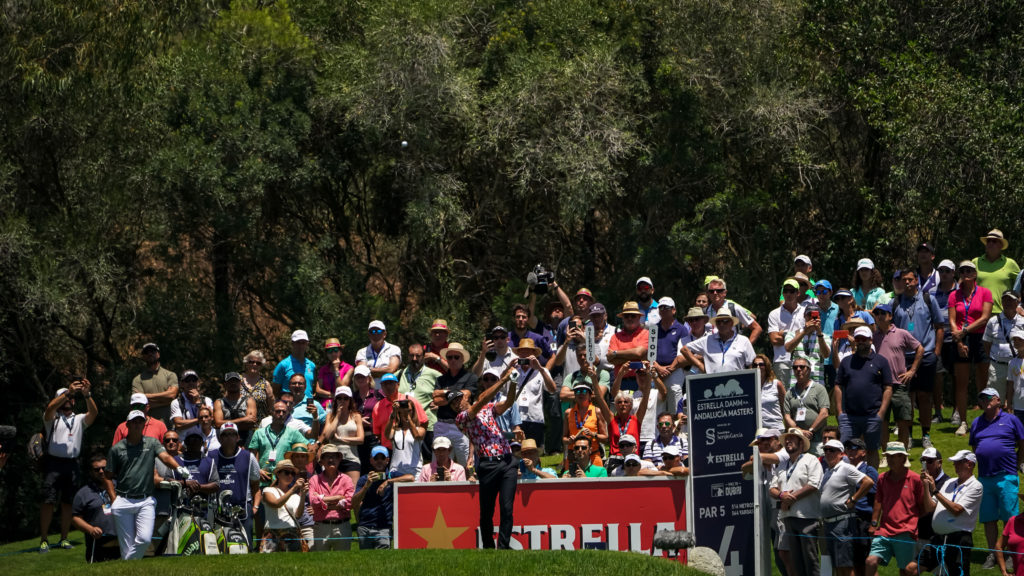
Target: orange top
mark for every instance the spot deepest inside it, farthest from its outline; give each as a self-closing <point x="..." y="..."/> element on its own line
<point x="588" y="420"/>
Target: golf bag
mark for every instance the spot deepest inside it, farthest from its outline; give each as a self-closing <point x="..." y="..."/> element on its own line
<point x="231" y="536"/>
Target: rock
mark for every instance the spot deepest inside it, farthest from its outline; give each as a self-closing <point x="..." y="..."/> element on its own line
<point x="706" y="560"/>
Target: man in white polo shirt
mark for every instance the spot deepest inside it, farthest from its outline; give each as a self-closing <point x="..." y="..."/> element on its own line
<point x="956" y="506"/>
<point x="61" y="468"/>
<point x="380" y="356"/>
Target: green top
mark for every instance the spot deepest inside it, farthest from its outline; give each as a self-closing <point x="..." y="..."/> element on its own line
<point x="424" y="383"/>
<point x="132" y="465"/>
<point x="595" y="471"/>
<point x="148" y="382"/>
<point x="998" y="277"/>
<point x="272" y="446"/>
<point x="813" y="399"/>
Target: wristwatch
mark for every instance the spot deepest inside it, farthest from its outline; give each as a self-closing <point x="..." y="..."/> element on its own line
<point x="874" y="523"/>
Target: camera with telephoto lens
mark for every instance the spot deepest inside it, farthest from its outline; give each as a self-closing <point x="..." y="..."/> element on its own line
<point x="402" y="404"/>
<point x="539" y="278"/>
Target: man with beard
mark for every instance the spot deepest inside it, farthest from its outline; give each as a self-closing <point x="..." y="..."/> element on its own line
<point x="90" y="508"/>
<point x="645" y="299"/>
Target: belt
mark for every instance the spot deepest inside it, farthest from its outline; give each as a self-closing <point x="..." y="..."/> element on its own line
<point x="840" y="517"/>
<point x="502" y="458"/>
<point x="339" y="521"/>
<point x="133" y="496"/>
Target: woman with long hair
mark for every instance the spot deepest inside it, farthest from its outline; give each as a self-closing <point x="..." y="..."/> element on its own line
<point x="773" y="393"/>
<point x="867" y="285"/>
<point x="344" y="429"/>
<point x="334" y="374"/>
<point x="283" y="500"/>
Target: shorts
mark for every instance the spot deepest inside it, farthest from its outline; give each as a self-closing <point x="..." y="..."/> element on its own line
<point x="870" y="427"/>
<point x="997" y="376"/>
<point x="839" y="539"/>
<point x="956" y="556"/>
<point x="901" y="406"/>
<point x="902" y="546"/>
<point x="348" y="466"/>
<point x="975" y="351"/>
<point x="948" y="356"/>
<point x="924" y="380"/>
<point x="61" y="477"/>
<point x="999" y="499"/>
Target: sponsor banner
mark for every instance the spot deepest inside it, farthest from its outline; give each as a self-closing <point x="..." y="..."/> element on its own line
<point x="605" y="513"/>
<point x="723" y="412"/>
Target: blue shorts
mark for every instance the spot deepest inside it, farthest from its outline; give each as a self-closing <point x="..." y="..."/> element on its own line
<point x="902" y="546"/>
<point x="999" y="499"/>
<point x="870" y="427"/>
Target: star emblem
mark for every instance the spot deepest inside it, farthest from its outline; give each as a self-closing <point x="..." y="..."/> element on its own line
<point x="440" y="535"/>
<point x="711" y="458"/>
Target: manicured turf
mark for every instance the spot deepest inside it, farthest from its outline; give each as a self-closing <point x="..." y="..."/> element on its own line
<point x="22" y="558"/>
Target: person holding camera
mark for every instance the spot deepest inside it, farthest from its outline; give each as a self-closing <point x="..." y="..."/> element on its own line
<point x="406" y="426"/>
<point x="629" y="344"/>
<point x="788" y="318"/>
<point x="373" y="502"/>
<point x="185" y="408"/>
<point x="497" y="472"/>
<point x="385" y="410"/>
<point x="811" y="344"/>
<point x="442" y="468"/>
<point x="580" y="464"/>
<point x="494" y="352"/>
<point x="63" y="430"/>
<point x="457" y="380"/>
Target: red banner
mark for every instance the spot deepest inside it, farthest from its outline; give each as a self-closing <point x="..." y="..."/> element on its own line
<point x="606" y="513"/>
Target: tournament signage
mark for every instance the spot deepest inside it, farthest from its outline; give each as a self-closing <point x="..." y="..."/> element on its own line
<point x="723" y="411"/>
<point x="548" y="514"/>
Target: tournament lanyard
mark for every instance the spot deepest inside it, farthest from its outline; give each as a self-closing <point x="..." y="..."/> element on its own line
<point x="967" y="307"/>
<point x="726" y="345"/>
<point x="68" y="422"/>
<point x="801" y="397"/>
<point x="376" y="355"/>
<point x="957" y="490"/>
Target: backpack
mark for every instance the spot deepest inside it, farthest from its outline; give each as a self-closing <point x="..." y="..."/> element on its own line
<point x="39" y="445"/>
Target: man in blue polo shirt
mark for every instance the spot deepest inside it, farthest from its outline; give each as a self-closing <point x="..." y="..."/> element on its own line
<point x="862" y="394"/>
<point x="295" y="363"/>
<point x="996" y="437"/>
<point x="918" y="312"/>
<point x="829" y="312"/>
<point x="670" y="331"/>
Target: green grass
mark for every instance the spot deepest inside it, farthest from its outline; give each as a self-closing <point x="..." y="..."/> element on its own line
<point x="22" y="558"/>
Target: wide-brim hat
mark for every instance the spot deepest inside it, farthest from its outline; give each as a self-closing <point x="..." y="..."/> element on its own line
<point x="796" y="432"/>
<point x="995" y="234"/>
<point x="630" y="308"/>
<point x="439" y="324"/>
<point x="297" y="448"/>
<point x="723" y="314"/>
<point x="285" y="464"/>
<point x="893" y="448"/>
<point x="527" y="347"/>
<point x="853" y="324"/>
<point x="801" y="278"/>
<point x="456" y="347"/>
<point x="332" y="343"/>
<point x="696" y="312"/>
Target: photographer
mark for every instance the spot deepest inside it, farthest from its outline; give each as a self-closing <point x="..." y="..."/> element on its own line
<point x="405" y="433"/>
<point x="442" y="468"/>
<point x="494" y="352"/>
<point x="185" y="408"/>
<point x="384" y="413"/>
<point x="495" y="468"/>
<point x="63" y="430"/>
<point x="580" y="464"/>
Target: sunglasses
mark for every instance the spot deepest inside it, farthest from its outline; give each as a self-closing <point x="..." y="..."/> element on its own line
<point x="985" y="398"/>
<point x="490" y="379"/>
<point x="253" y="362"/>
<point x="821" y="292"/>
<point x="376" y="331"/>
<point x="801" y="367"/>
<point x="581" y="392"/>
<point x="95" y="469"/>
<point x="454" y="357"/>
<point x="758" y="364"/>
<point x="138" y="406"/>
<point x="286" y="473"/>
<point x="580" y="448"/>
<point x="665" y="424"/>
<point x="832" y="450"/>
<point x="716" y="290"/>
<point x="632" y="464"/>
<point x="380" y="457"/>
<point x="668" y="456"/>
<point x="170" y="440"/>
<point x="878" y="312"/>
<point x="789" y="290"/>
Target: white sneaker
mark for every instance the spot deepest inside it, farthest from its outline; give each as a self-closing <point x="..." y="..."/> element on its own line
<point x="955" y="420"/>
<point x="990" y="562"/>
<point x="962" y="430"/>
<point x="926" y="441"/>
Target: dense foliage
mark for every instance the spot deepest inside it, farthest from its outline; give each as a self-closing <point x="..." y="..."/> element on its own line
<point x="210" y="175"/>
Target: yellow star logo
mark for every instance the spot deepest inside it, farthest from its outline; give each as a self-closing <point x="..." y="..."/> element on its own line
<point x="440" y="535"/>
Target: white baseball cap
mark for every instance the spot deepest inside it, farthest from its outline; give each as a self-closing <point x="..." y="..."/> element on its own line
<point x="229" y="427"/>
<point x="362" y="370"/>
<point x="442" y="442"/>
<point x="673" y="450"/>
<point x="627" y="438"/>
<point x="862" y="331"/>
<point x="931" y="454"/>
<point x="964" y="455"/>
<point x="376" y="324"/>
<point x="299" y="336"/>
<point x="134" y="414"/>
<point x="63" y="390"/>
<point x="139" y="398"/>
<point x="833" y="443"/>
<point x="947" y="264"/>
<point x="803" y="258"/>
<point x="644" y="279"/>
<point x="666" y="302"/>
<point x="343" y="391"/>
<point x="865" y="263"/>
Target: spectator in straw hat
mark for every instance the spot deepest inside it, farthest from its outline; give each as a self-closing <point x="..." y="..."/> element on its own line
<point x="333" y="374"/>
<point x="330" y="495"/>
<point x="629" y="344"/>
<point x="899" y="501"/>
<point x="796" y="488"/>
<point x="724" y="350"/>
<point x="534" y="380"/>
<point x="283" y="501"/>
<point x="996" y="271"/>
<point x="458" y="379"/>
<point x="438" y="341"/>
<point x="530" y="466"/>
